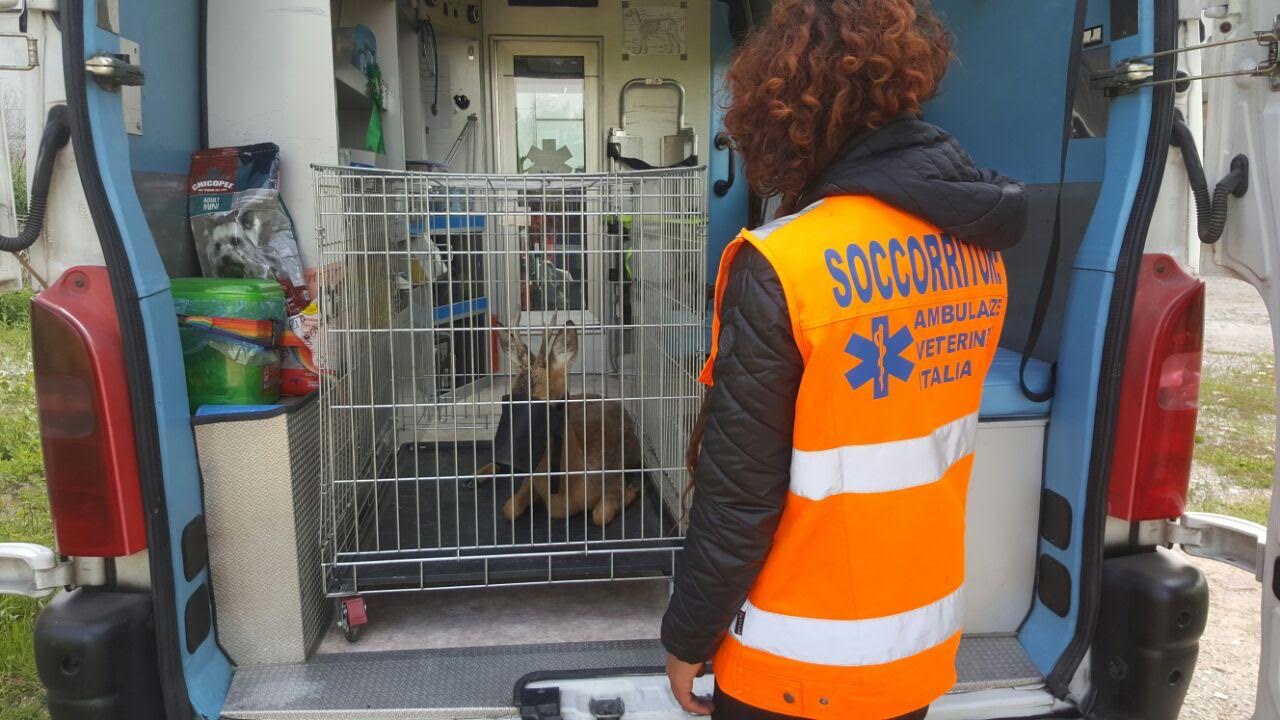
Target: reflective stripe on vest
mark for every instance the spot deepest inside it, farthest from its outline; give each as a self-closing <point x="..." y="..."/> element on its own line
<point x="882" y="467"/>
<point x="873" y="641"/>
<point x="858" y="608"/>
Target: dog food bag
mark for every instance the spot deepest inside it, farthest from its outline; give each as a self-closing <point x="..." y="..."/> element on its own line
<point x="229" y="331"/>
<point x="241" y="227"/>
<point x="298" y="372"/>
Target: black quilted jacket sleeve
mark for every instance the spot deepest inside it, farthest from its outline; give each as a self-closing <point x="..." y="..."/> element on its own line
<point x="744" y="467"/>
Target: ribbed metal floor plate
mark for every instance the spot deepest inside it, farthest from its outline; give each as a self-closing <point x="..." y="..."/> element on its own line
<point x="423" y="679"/>
<point x="993" y="662"/>
<point x="478" y="682"/>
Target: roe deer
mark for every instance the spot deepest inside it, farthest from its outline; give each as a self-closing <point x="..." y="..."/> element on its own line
<point x="599" y="442"/>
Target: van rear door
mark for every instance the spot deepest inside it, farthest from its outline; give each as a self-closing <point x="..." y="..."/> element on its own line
<point x="1242" y="129"/>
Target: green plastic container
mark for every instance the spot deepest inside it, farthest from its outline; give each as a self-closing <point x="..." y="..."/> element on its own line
<point x="230" y="329"/>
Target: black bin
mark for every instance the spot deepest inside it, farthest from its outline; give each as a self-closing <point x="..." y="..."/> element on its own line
<point x="96" y="654"/>
<point x="1154" y="609"/>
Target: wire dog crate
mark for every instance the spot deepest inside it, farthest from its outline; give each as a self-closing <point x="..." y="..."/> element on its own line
<point x="509" y="373"/>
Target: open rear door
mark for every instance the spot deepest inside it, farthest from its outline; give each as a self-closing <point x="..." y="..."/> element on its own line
<point x="1242" y="119"/>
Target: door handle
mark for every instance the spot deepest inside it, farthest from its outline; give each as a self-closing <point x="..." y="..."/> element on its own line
<point x="33" y="52"/>
<point x="721" y="187"/>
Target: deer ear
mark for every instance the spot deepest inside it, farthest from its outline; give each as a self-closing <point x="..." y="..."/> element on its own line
<point x="515" y="348"/>
<point x="564" y="347"/>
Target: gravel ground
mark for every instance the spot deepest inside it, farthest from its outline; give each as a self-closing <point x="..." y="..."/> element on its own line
<point x="1235" y="318"/>
<point x="1226" y="676"/>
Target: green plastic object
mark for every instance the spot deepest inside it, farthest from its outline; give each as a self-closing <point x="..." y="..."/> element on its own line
<point x="229" y="330"/>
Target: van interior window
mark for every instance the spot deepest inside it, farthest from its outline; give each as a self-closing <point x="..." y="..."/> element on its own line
<point x="550" y="107"/>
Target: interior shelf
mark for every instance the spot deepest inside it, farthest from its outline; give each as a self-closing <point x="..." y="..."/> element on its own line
<point x="351" y="85"/>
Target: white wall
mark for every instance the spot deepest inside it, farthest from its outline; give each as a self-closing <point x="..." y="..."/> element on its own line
<point x="69" y="237"/>
<point x="459" y="75"/>
<point x="411" y="100"/>
<point x="1173" y="223"/>
<point x="266" y="84"/>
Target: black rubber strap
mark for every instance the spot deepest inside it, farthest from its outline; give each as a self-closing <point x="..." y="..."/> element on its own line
<point x="1055" y="243"/>
<point x="638" y="164"/>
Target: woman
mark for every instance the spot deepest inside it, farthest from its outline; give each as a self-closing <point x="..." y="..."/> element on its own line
<point x="824" y="561"/>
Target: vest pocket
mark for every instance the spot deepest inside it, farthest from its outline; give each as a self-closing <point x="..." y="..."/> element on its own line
<point x="765" y="690"/>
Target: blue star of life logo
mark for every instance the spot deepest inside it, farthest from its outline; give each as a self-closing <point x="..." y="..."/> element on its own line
<point x="879" y="357"/>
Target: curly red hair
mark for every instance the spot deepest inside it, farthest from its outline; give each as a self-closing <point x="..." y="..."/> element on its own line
<point x="821" y="71"/>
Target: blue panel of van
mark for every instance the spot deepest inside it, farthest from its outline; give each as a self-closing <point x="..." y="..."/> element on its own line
<point x="1013" y="123"/>
<point x="171" y="98"/>
<point x="726" y="215"/>
<point x="1044" y="633"/>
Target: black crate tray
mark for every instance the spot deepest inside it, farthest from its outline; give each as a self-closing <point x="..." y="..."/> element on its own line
<point x="451" y="521"/>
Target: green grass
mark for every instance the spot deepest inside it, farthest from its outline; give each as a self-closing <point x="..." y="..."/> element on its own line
<point x="1254" y="508"/>
<point x="1235" y="437"/>
<point x="19" y="174"/>
<point x="24" y="508"/>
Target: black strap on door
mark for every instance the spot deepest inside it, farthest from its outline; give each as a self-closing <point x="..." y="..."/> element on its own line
<point x="1045" y="297"/>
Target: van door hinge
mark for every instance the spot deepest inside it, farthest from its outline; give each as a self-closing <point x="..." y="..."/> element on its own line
<point x="32" y="570"/>
<point x="36" y="571"/>
<point x="1137" y="71"/>
<point x="114" y="71"/>
<point x="1216" y="537"/>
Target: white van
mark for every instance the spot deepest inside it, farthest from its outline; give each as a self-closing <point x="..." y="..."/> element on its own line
<point x="526" y="164"/>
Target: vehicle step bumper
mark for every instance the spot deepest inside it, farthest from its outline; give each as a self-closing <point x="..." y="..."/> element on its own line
<point x="480" y="682"/>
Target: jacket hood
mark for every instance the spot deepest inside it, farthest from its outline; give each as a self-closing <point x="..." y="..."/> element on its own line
<point x="921" y="169"/>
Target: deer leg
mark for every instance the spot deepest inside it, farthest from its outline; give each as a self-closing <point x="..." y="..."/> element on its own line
<point x="518" y="503"/>
<point x="535" y="488"/>
<point x="571" y="499"/>
<point x="605" y="511"/>
<point x="610" y="504"/>
<point x="485" y="474"/>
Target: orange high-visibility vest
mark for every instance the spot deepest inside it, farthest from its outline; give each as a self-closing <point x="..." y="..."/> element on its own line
<point x="857" y="612"/>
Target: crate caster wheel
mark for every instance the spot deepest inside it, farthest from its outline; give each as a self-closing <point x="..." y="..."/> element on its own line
<point x="352" y="617"/>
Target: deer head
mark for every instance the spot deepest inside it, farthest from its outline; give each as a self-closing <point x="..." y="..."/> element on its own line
<point x="542" y="376"/>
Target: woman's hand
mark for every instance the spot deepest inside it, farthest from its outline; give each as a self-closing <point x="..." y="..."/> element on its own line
<point x="681" y="675"/>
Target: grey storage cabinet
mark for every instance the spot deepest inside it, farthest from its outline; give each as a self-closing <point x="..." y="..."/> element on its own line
<point x="261" y="475"/>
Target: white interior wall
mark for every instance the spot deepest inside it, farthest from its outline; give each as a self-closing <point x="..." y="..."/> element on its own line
<point x="411" y="99"/>
<point x="460" y="74"/>
<point x="294" y="109"/>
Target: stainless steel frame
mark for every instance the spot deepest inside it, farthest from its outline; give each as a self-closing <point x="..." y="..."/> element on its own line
<point x="418" y="273"/>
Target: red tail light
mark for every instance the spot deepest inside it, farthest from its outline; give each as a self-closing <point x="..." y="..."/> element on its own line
<point x="86" y="424"/>
<point x="1159" y="394"/>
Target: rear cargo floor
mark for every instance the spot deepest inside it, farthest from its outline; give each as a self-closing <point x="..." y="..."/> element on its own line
<point x="480" y="682"/>
<point x="440" y="528"/>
